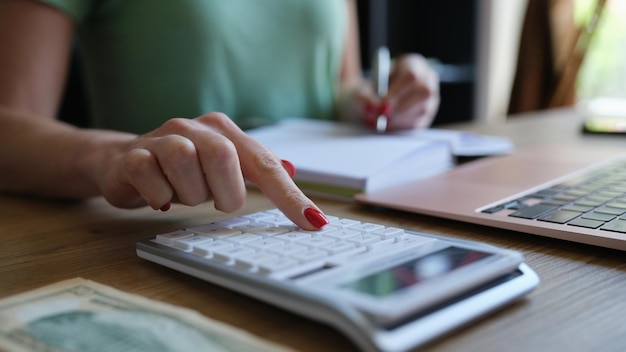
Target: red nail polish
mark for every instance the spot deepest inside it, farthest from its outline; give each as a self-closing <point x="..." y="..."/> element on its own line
<point x="385" y="108"/>
<point x="315" y="217"/>
<point x="166" y="207"/>
<point x="291" y="170"/>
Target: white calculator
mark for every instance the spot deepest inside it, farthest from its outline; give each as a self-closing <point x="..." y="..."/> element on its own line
<point x="385" y="288"/>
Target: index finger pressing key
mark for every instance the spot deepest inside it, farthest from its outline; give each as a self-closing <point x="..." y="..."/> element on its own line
<point x="261" y="167"/>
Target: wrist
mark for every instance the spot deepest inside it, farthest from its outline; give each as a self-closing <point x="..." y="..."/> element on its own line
<point x="96" y="157"/>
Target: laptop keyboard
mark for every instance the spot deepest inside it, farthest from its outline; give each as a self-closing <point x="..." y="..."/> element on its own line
<point x="596" y="200"/>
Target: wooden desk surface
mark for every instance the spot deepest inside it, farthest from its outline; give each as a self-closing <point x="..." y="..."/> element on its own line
<point x="580" y="304"/>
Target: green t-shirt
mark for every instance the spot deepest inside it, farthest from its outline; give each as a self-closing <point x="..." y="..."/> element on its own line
<point x="258" y="61"/>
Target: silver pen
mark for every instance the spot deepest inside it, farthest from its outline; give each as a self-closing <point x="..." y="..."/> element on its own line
<point x="382" y="68"/>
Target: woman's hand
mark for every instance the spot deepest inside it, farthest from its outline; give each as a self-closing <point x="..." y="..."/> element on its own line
<point x="413" y="96"/>
<point x="196" y="160"/>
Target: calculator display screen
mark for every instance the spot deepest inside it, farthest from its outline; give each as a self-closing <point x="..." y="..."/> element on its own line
<point x="388" y="281"/>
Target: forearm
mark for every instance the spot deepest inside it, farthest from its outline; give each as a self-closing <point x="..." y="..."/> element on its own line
<point x="48" y="158"/>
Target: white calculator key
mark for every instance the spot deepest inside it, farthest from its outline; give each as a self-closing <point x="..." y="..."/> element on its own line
<point x="243" y="238"/>
<point x="310" y="255"/>
<point x="213" y="230"/>
<point x="250" y="262"/>
<point x="273" y="231"/>
<point x="366" y="227"/>
<point x="337" y="247"/>
<point x="187" y="243"/>
<point x="251" y="228"/>
<point x="344" y="248"/>
<point x="294" y="236"/>
<point x="344" y="222"/>
<point x="413" y="239"/>
<point x="380" y="251"/>
<point x="267" y="267"/>
<point x="232" y="222"/>
<point x="289" y="249"/>
<point x="278" y="220"/>
<point x="344" y="233"/>
<point x="317" y="241"/>
<point x="389" y="232"/>
<point x="169" y="238"/>
<point x="364" y="238"/>
<point x="206" y="249"/>
<point x="264" y="243"/>
<point x="382" y="243"/>
<point x="228" y="255"/>
<point x="282" y="268"/>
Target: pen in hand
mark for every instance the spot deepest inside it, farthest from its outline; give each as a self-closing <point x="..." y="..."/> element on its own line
<point x="382" y="67"/>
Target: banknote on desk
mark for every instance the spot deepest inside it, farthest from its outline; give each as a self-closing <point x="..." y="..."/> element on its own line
<point x="82" y="315"/>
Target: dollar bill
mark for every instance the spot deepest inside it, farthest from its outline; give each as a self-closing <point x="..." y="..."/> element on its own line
<point x="82" y="315"/>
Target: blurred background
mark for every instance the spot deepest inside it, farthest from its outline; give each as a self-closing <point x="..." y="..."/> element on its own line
<point x="499" y="58"/>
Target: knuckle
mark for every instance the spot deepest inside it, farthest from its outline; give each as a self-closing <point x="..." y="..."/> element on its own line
<point x="136" y="164"/>
<point x="222" y="150"/>
<point x="265" y="162"/>
<point x="177" y="124"/>
<point x="234" y="204"/>
<point x="178" y="148"/>
<point x="217" y="120"/>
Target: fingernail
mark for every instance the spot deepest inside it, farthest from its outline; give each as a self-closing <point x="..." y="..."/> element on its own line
<point x="385" y="108"/>
<point x="370" y="108"/>
<point x="291" y="170"/>
<point x="166" y="207"/>
<point x="315" y="217"/>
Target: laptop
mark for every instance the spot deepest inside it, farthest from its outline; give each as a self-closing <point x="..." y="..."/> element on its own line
<point x="557" y="191"/>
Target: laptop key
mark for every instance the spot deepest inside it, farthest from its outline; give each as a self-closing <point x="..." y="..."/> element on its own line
<point x="588" y="223"/>
<point x="615" y="226"/>
<point x="559" y="216"/>
<point x="533" y="211"/>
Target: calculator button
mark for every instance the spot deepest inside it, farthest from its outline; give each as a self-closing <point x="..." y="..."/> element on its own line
<point x="264" y="243"/>
<point x="294" y="236"/>
<point x="243" y="238"/>
<point x="251" y="228"/>
<point x="338" y="247"/>
<point x="367" y="227"/>
<point x="228" y="255"/>
<point x="364" y="238"/>
<point x="389" y="232"/>
<point x="187" y="243"/>
<point x="310" y="255"/>
<point x="213" y="230"/>
<point x="344" y="222"/>
<point x="206" y="249"/>
<point x="250" y="262"/>
<point x="273" y="231"/>
<point x="289" y="249"/>
<point x="316" y="241"/>
<point x="232" y="222"/>
<point x="169" y="238"/>
<point x="275" y="265"/>
<point x="343" y="233"/>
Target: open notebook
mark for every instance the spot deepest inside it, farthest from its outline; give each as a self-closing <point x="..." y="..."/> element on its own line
<point x="554" y="191"/>
<point x="341" y="160"/>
